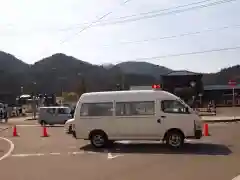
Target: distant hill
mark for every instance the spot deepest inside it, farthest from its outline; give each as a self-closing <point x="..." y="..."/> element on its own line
<point x="143" y="68"/>
<point x="222" y="77"/>
<point x="9" y="63"/>
<point x="12" y="72"/>
<point x="60" y="72"/>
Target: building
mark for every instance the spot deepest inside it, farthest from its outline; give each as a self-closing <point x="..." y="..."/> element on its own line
<point x="189" y="87"/>
<point x="185" y="84"/>
<point x="222" y="95"/>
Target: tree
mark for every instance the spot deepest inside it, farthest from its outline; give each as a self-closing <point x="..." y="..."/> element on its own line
<point x="82" y="88"/>
<point x="70" y="97"/>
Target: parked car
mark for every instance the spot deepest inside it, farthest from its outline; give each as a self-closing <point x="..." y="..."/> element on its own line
<point x="54" y="115"/>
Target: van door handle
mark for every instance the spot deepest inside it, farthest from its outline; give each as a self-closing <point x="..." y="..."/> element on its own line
<point x="159" y="121"/>
<point x="163" y="116"/>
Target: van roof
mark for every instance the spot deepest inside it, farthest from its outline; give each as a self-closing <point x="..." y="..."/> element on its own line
<point x="142" y="95"/>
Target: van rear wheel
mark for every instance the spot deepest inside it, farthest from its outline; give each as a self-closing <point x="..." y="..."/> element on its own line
<point x="98" y="139"/>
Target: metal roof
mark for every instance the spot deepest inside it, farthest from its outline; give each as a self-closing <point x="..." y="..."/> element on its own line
<point x="181" y="73"/>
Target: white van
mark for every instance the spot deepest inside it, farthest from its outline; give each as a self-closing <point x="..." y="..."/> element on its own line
<point x="104" y="117"/>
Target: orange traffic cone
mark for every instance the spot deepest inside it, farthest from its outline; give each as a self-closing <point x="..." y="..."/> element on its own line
<point x="205" y="128"/>
<point x="15" y="134"/>
<point x="45" y="134"/>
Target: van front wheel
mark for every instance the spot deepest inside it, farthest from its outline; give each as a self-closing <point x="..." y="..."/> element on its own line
<point x="175" y="139"/>
<point x="99" y="139"/>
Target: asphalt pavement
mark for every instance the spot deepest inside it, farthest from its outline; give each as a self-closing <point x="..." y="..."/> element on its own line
<point x="61" y="157"/>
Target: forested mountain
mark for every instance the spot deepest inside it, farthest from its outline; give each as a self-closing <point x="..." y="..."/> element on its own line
<point x="60" y="72"/>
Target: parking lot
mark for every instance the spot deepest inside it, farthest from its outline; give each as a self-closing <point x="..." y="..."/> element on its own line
<point x="60" y="156"/>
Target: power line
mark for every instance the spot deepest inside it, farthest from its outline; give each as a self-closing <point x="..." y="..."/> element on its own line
<point x="151" y="14"/>
<point x="160" y="10"/>
<point x="147" y="15"/>
<point x="164" y="14"/>
<point x="90" y="25"/>
<point x="96" y="21"/>
<point x="175" y="36"/>
<point x="188" y="53"/>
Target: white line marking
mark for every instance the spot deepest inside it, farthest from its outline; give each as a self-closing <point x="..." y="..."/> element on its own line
<point x="28" y="125"/>
<point x="55" y="153"/>
<point x="10" y="149"/>
<point x="124" y="142"/>
<point x="236" y="178"/>
<point x="27" y="155"/>
<point x="91" y="152"/>
<point x="81" y="152"/>
<point x="110" y="156"/>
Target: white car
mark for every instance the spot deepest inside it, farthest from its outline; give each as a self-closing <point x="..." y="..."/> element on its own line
<point x="68" y="126"/>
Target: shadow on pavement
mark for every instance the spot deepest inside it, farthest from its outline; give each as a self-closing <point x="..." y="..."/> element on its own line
<point x="158" y="148"/>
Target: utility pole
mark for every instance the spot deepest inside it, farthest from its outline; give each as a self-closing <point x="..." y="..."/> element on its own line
<point x="232" y="83"/>
<point x="233" y="98"/>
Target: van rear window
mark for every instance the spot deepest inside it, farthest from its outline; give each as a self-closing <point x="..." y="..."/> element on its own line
<point x="97" y="109"/>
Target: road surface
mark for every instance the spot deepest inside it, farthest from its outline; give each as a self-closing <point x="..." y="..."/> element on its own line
<point x="61" y="157"/>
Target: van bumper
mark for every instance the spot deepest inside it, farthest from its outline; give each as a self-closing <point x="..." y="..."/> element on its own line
<point x="197" y="135"/>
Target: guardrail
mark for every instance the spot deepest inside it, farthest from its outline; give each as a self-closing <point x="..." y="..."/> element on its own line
<point x="206" y="111"/>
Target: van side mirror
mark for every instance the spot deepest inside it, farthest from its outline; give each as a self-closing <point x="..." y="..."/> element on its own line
<point x="186" y="110"/>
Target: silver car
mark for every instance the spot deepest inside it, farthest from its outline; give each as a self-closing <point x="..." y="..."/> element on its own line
<point x="54" y="115"/>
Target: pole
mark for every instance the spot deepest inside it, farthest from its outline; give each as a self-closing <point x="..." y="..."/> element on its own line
<point x="233" y="96"/>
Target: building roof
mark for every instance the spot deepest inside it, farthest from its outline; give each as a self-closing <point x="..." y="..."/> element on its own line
<point x="220" y="87"/>
<point x="181" y="73"/>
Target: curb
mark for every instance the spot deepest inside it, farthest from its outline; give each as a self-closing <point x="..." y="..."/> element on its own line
<point x="219" y="121"/>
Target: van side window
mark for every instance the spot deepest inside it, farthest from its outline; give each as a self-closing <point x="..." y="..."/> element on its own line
<point x="97" y="109"/>
<point x="63" y="111"/>
<point x="135" y="108"/>
<point x="51" y="110"/>
<point x="173" y="106"/>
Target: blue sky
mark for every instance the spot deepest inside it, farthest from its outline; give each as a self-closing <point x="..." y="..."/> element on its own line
<point x="34" y="29"/>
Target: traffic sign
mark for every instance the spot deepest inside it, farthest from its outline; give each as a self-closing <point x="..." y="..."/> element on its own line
<point x="232" y="83"/>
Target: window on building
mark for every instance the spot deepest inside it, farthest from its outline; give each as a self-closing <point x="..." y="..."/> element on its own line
<point x="97" y="109"/>
<point x="135" y="108"/>
<point x="173" y="106"/>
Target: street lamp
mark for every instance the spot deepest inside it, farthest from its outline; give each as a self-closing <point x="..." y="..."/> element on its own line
<point x="200" y="96"/>
<point x="21" y="89"/>
<point x="193" y="83"/>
